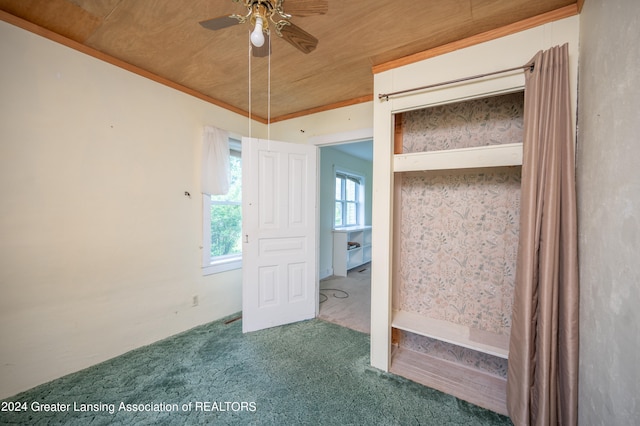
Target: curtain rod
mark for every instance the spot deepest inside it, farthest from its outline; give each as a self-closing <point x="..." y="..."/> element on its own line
<point x="385" y="96"/>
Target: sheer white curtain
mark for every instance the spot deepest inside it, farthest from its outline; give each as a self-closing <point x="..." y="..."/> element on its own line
<point x="215" y="161"/>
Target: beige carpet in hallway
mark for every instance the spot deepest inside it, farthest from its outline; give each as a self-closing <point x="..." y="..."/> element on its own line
<point x="352" y="311"/>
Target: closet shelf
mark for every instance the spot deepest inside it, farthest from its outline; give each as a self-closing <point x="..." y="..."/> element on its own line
<point x="462" y="158"/>
<point x="460" y="335"/>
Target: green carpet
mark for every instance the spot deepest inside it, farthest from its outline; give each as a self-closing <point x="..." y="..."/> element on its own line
<point x="308" y="373"/>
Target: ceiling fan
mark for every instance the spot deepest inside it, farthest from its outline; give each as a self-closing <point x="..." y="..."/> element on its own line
<point x="266" y="13"/>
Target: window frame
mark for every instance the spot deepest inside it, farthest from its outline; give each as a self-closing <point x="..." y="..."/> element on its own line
<point x="345" y="175"/>
<point x="217" y="264"/>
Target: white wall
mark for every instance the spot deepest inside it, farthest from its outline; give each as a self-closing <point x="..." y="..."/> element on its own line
<point x="100" y="248"/>
<point x="346" y="122"/>
<point x="608" y="180"/>
<point x="507" y="52"/>
<point x="330" y="159"/>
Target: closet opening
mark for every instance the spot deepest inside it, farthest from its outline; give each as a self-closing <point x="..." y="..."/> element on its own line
<point x="345" y="234"/>
<point x="455" y="236"/>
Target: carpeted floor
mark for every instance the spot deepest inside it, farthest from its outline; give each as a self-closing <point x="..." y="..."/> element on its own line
<point x="308" y="373"/>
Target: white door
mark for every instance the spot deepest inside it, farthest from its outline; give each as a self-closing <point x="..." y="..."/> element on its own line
<point x="279" y="278"/>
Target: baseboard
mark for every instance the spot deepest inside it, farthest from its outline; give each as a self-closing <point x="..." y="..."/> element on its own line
<point x="326" y="273"/>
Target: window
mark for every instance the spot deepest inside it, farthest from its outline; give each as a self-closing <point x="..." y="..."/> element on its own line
<point x="349" y="200"/>
<point x="222" y="248"/>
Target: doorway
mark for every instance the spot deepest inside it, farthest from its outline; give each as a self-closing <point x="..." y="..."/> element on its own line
<point x="344" y="300"/>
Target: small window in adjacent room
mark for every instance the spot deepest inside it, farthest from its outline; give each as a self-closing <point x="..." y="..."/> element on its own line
<point x="349" y="209"/>
<point x="222" y="247"/>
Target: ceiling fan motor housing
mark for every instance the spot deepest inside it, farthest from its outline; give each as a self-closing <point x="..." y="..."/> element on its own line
<point x="273" y="16"/>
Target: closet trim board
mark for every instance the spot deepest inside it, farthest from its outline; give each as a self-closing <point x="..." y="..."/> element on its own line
<point x="477" y="387"/>
<point x="397" y="133"/>
<point x="489" y="88"/>
<point x="461" y="158"/>
<point x="396" y="228"/>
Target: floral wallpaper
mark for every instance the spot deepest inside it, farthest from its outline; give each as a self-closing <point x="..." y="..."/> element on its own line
<point x="458" y="246"/>
<point x="468" y="357"/>
<point x="458" y="230"/>
<point x="478" y="122"/>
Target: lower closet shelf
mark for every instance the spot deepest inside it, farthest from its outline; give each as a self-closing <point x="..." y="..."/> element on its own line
<point x="477" y="387"/>
<point x="478" y="340"/>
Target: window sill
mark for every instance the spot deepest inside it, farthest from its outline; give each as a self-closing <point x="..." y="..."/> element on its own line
<point x="222" y="266"/>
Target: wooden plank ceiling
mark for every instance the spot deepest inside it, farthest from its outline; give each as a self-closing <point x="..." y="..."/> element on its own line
<point x="163" y="37"/>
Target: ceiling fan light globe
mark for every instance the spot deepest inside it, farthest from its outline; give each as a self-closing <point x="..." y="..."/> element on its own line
<point x="257" y="38"/>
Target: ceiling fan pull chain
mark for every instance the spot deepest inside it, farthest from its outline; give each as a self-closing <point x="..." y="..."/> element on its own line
<point x="250" y="52"/>
<point x="269" y="93"/>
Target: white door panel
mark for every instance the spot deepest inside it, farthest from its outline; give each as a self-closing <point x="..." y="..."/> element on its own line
<point x="279" y="252"/>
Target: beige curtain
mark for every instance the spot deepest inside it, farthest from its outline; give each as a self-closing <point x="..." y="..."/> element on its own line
<point x="542" y="381"/>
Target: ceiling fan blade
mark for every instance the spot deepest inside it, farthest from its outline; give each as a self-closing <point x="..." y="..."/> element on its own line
<point x="219" y="22"/>
<point x="299" y="38"/>
<point x="305" y="7"/>
<point x="264" y="50"/>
